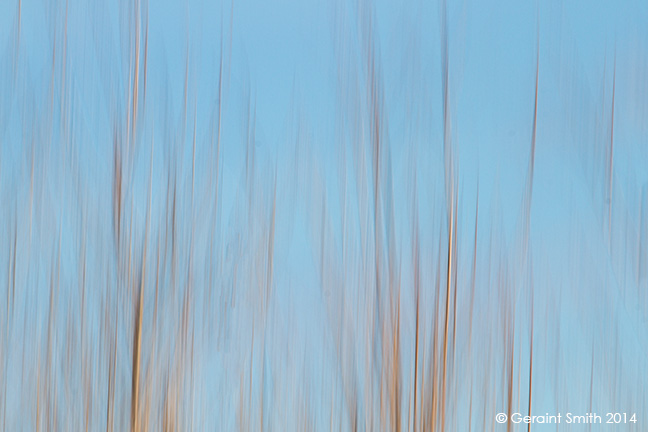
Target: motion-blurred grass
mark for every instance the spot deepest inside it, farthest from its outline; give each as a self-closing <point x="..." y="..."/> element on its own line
<point x="322" y="216"/>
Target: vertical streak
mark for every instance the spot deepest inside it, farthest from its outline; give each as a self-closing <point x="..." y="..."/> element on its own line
<point x="611" y="167"/>
<point x="530" y="369"/>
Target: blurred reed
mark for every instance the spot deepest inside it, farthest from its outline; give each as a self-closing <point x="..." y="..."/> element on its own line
<point x="164" y="268"/>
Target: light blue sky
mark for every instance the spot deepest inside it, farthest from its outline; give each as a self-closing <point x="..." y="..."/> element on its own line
<point x="299" y="70"/>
